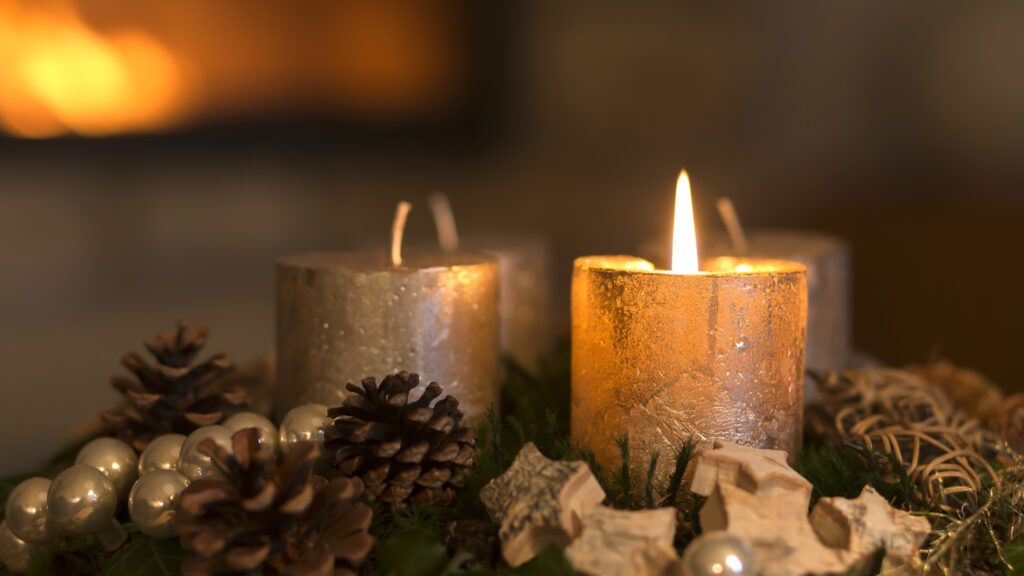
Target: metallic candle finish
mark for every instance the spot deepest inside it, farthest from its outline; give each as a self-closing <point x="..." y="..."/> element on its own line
<point x="524" y="297"/>
<point x="827" y="260"/>
<point x="343" y="316"/>
<point x="660" y="357"/>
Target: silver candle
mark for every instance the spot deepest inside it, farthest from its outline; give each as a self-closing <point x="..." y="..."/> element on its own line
<point x="524" y="295"/>
<point x="343" y="316"/>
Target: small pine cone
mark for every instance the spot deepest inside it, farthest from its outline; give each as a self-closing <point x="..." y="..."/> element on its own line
<point x="404" y="451"/>
<point x="264" y="518"/>
<point x="176" y="395"/>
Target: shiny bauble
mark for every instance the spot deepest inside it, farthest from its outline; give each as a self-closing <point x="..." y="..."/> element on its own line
<point x="266" y="428"/>
<point x="718" y="554"/>
<point x="194" y="465"/>
<point x="162" y="453"/>
<point x="15" y="553"/>
<point x="305" y="423"/>
<point x="151" y="502"/>
<point x="116" y="459"/>
<point x="82" y="501"/>
<point x="26" y="511"/>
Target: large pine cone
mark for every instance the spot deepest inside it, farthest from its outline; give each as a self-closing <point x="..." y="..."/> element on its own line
<point x="262" y="518"/>
<point x="174" y="395"/>
<point x="404" y="451"/>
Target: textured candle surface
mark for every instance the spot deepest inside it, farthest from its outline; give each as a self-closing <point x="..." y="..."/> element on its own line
<point x="344" y="316"/>
<point x="660" y="357"/>
<point x="827" y="260"/>
<point x="524" y="296"/>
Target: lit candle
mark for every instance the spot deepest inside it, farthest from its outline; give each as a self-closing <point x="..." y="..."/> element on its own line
<point x="343" y="316"/>
<point x="827" y="259"/>
<point x="661" y="356"/>
<point x="524" y="296"/>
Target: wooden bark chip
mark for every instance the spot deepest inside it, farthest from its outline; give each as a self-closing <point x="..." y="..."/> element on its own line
<point x="868" y="523"/>
<point x="753" y="494"/>
<point x="624" y="542"/>
<point x="539" y="502"/>
<point x="758" y="471"/>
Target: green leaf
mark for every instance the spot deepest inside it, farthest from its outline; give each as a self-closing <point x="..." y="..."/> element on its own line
<point x="146" y="557"/>
<point x="550" y="562"/>
<point x="412" y="554"/>
<point x="1014" y="554"/>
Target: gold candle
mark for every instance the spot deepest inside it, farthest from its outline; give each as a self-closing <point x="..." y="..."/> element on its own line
<point x="659" y="357"/>
<point x="343" y="316"/>
<point x="827" y="260"/>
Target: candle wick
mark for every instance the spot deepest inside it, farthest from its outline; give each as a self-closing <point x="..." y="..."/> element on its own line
<point x="444" y="220"/>
<point x="727" y="211"/>
<point x="397" y="231"/>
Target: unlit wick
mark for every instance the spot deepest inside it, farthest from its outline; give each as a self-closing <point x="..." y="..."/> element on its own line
<point x="397" y="231"/>
<point x="727" y="211"/>
<point x="444" y="219"/>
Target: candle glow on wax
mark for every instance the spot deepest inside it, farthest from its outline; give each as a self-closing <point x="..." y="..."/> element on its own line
<point x="684" y="232"/>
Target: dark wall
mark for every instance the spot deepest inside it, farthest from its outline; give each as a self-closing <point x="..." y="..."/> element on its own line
<point x="897" y="126"/>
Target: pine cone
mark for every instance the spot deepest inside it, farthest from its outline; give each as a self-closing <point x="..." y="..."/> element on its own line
<point x="174" y="395"/>
<point x="403" y="451"/>
<point x="267" y="519"/>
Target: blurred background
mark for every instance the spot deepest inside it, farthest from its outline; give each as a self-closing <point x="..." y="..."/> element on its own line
<point x="156" y="157"/>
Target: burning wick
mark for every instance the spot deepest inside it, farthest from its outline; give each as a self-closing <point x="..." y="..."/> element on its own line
<point x="444" y="219"/>
<point x="684" y="232"/>
<point x="732" y="225"/>
<point x="397" y="231"/>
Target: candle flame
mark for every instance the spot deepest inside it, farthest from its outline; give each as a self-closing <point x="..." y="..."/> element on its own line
<point x="684" y="232"/>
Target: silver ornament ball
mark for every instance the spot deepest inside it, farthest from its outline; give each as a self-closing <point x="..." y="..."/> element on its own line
<point x="151" y="503"/>
<point x="26" y="512"/>
<point x="15" y="553"/>
<point x="718" y="554"/>
<point x="116" y="459"/>
<point x="82" y="500"/>
<point x="243" y="420"/>
<point x="194" y="465"/>
<point x="162" y="453"/>
<point x="305" y="423"/>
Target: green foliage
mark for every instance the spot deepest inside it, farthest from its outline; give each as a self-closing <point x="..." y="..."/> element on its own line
<point x="1014" y="555"/>
<point x="423" y="554"/>
<point x="843" y="470"/>
<point x="68" y="556"/>
<point x="416" y="554"/>
<point x="146" y="557"/>
<point x="675" y="481"/>
<point x="550" y="562"/>
<point x="415" y="541"/>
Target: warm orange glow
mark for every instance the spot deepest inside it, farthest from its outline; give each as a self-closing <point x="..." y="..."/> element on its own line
<point x="58" y="75"/>
<point x="684" y="232"/>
